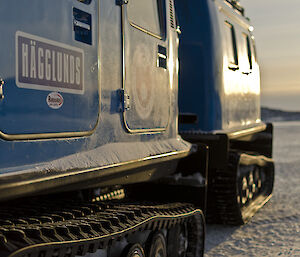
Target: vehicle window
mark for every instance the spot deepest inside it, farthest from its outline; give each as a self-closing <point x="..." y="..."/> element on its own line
<point x="231" y="44"/>
<point x="246" y="51"/>
<point x="253" y="47"/>
<point x="147" y="15"/>
<point x="85" y="1"/>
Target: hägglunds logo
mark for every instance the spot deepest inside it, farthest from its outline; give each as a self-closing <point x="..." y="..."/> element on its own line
<point x="44" y="64"/>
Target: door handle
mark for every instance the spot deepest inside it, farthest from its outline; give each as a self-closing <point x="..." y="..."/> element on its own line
<point x="162" y="57"/>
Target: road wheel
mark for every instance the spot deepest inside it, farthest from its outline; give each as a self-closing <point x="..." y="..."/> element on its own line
<point x="158" y="246"/>
<point x="257" y="180"/>
<point x="251" y="185"/>
<point x="178" y="241"/>
<point x="243" y="190"/>
<point x="135" y="250"/>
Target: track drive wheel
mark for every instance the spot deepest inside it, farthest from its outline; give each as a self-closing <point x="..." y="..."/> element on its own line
<point x="158" y="246"/>
<point x="186" y="240"/>
<point x="178" y="241"/>
<point x="135" y="250"/>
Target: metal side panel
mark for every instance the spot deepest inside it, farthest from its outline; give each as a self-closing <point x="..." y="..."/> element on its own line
<point x="222" y="93"/>
<point x="49" y="65"/>
<point x="103" y="166"/>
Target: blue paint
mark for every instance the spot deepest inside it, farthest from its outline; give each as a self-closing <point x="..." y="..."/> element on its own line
<point x="25" y="111"/>
<point x="202" y="90"/>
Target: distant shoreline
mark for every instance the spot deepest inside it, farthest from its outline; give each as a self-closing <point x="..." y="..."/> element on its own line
<point x="271" y="115"/>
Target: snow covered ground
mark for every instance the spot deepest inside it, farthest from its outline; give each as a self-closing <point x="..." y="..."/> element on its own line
<point x="275" y="230"/>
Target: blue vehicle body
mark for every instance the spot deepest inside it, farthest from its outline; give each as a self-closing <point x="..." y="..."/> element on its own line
<point x="78" y="110"/>
<point x="219" y="103"/>
<point x="223" y="94"/>
<point x="89" y="93"/>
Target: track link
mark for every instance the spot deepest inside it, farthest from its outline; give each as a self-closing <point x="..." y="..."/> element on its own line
<point x="68" y="229"/>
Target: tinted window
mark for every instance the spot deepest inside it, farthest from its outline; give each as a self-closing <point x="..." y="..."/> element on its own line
<point x="146" y="14"/>
<point x="246" y="51"/>
<point x="85" y="1"/>
<point x="253" y="47"/>
<point x="231" y="44"/>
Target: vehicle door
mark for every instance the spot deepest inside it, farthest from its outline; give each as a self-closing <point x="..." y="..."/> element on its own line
<point x="146" y="69"/>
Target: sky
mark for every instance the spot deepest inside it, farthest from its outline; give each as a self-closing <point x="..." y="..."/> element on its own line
<point x="277" y="32"/>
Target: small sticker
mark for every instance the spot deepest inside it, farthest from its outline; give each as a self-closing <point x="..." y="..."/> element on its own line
<point x="55" y="100"/>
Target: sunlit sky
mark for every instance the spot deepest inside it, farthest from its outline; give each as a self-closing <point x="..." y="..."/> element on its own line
<point x="277" y="33"/>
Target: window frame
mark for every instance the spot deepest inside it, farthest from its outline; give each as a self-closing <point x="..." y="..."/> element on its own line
<point x="232" y="65"/>
<point x="85" y="1"/>
<point x="248" y="49"/>
<point x="253" y="44"/>
<point x="161" y="6"/>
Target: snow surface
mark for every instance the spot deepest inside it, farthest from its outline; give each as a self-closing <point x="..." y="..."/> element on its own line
<point x="275" y="230"/>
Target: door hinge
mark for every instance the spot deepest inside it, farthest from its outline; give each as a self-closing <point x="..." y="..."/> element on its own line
<point x="121" y="2"/>
<point x="125" y="100"/>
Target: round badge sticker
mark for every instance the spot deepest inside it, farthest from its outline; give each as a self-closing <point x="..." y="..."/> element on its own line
<point x="55" y="100"/>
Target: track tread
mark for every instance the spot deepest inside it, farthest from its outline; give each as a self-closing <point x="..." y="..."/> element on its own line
<point x="84" y="227"/>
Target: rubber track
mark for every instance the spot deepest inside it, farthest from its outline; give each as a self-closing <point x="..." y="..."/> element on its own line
<point x="68" y="229"/>
<point x="224" y="190"/>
